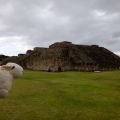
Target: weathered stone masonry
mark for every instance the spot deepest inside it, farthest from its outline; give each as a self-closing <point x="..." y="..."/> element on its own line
<point x="69" y="57"/>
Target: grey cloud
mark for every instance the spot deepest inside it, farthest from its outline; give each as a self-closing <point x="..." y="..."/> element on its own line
<point x="43" y="22"/>
<point x="116" y="34"/>
<point x="110" y="6"/>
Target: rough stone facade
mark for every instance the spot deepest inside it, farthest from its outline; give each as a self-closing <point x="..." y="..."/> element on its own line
<point x="69" y="57"/>
<point x="2" y="57"/>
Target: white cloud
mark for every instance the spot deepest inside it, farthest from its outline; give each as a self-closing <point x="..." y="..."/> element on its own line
<point x="13" y="45"/>
<point x="99" y="13"/>
<point x="103" y="15"/>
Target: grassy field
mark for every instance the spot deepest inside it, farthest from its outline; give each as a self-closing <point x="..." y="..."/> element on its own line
<point x="40" y="95"/>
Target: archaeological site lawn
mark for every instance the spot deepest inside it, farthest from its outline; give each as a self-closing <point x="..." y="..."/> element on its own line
<point x="70" y="95"/>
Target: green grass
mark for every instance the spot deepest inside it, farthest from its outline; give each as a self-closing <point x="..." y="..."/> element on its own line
<point x="40" y="95"/>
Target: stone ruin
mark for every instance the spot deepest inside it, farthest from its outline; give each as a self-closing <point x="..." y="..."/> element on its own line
<point x="68" y="56"/>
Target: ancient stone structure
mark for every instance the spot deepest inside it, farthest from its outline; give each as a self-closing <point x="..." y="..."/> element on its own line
<point x="2" y="57"/>
<point x="68" y="56"/>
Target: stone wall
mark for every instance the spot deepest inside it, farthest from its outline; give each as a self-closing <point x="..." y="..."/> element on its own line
<point x="69" y="57"/>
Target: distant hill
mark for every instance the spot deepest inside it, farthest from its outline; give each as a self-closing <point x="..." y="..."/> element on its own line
<point x="68" y="56"/>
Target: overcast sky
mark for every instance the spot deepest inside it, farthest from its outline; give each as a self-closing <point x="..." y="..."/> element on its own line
<point x="25" y="24"/>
